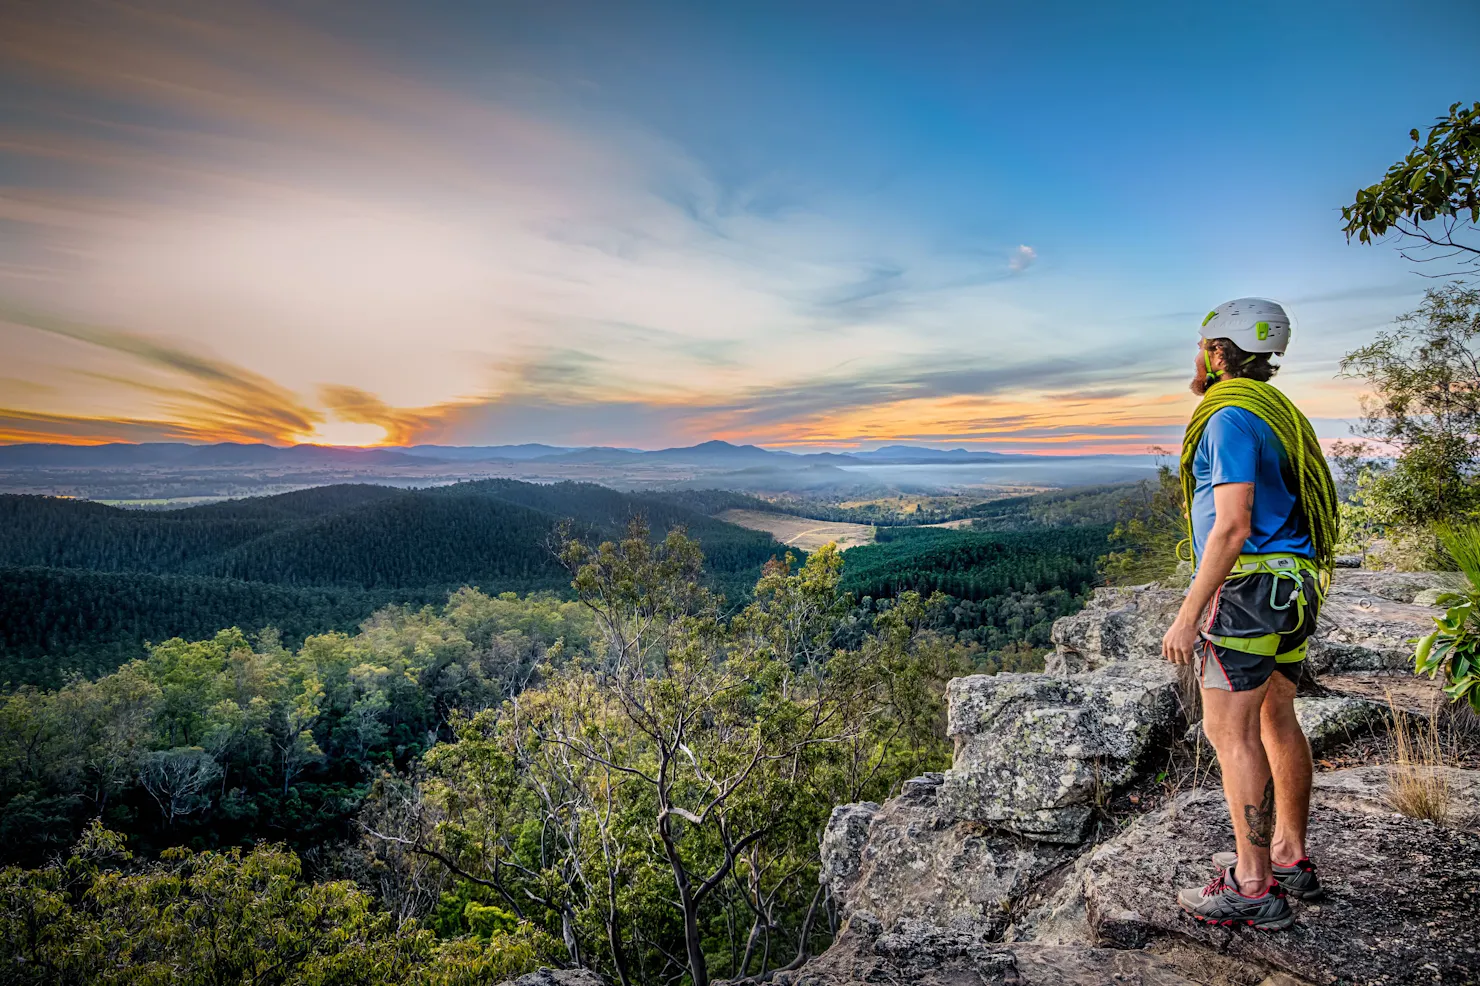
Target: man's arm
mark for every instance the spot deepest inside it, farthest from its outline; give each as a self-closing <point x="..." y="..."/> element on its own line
<point x="1233" y="509"/>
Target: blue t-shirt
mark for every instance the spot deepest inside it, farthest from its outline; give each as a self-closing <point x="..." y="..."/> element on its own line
<point x="1239" y="447"/>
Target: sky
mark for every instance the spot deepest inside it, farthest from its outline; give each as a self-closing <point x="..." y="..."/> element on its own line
<point x="801" y="225"/>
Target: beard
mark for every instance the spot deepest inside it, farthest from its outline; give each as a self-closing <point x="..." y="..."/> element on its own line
<point x="1199" y="384"/>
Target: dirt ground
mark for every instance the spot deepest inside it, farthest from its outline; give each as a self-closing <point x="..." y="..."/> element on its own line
<point x="801" y="532"/>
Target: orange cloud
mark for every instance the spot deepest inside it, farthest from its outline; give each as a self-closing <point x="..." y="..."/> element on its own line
<point x="208" y="399"/>
<point x="403" y="426"/>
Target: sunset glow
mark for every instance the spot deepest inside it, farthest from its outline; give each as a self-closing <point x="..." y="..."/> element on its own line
<point x="577" y="225"/>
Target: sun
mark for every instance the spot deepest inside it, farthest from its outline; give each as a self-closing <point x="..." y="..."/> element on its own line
<point x="348" y="433"/>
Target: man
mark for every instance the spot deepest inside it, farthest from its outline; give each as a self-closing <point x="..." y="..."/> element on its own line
<point x="1262" y="518"/>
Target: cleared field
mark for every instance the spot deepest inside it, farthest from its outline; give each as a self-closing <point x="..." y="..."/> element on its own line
<point x="802" y="532"/>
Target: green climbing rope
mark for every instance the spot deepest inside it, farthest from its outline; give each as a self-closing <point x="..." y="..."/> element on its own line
<point x="1314" y="488"/>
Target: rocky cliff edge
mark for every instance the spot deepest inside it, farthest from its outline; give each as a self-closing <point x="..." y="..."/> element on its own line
<point x="1079" y="800"/>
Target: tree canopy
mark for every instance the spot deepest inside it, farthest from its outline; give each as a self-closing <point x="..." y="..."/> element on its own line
<point x="1431" y="198"/>
<point x="1424" y="404"/>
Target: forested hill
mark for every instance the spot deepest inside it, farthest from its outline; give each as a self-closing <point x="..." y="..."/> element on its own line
<point x="94" y="582"/>
<point x="494" y="531"/>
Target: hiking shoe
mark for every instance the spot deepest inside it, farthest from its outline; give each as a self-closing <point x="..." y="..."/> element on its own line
<point x="1221" y="903"/>
<point x="1298" y="881"/>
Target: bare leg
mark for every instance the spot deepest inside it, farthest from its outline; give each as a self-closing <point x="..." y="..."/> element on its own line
<point x="1231" y="722"/>
<point x="1289" y="759"/>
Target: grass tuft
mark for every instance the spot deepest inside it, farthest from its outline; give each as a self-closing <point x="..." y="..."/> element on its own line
<point x="1418" y="785"/>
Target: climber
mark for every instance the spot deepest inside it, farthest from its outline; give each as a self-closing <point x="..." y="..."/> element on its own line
<point x="1262" y="526"/>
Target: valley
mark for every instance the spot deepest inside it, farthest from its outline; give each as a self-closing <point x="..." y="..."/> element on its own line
<point x="801" y="532"/>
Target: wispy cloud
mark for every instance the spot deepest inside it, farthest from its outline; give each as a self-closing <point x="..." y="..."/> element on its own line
<point x="207" y="398"/>
<point x="304" y="235"/>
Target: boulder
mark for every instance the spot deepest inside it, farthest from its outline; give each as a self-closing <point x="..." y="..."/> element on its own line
<point x="1035" y="751"/>
<point x="1326" y="720"/>
<point x="842" y="845"/>
<point x="1429" y="597"/>
<point x="557" y="977"/>
<point x="1399" y="587"/>
<point x="1417" y="695"/>
<point x="1403" y="895"/>
<point x="909" y="863"/>
<point x="869" y="952"/>
<point x="1117" y="624"/>
<point x="1362" y="629"/>
<point x="1331" y="719"/>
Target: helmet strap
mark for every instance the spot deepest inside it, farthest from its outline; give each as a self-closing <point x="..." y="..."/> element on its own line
<point x="1212" y="374"/>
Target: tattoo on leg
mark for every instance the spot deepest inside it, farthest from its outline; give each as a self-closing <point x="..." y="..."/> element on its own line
<point x="1261" y="819"/>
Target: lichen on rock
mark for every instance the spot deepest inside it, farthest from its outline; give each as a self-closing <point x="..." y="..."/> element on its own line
<point x="1033" y="751"/>
<point x="912" y="863"/>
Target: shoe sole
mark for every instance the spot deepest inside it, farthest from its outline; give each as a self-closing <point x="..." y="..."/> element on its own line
<point x="1280" y="924"/>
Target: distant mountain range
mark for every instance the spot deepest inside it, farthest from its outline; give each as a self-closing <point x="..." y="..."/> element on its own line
<point x="713" y="454"/>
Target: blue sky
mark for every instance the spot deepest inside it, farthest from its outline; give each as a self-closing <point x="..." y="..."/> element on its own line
<point x="800" y="225"/>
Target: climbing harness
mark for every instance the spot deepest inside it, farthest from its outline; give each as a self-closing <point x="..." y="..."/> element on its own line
<point x="1289" y="570"/>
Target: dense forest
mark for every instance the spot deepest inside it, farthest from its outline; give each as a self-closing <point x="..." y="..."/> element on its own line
<point x="1003" y="589"/>
<point x="86" y="585"/>
<point x="1081" y="506"/>
<point x="975" y="565"/>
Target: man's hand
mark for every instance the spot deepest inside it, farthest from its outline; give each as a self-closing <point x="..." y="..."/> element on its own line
<point x="1177" y="645"/>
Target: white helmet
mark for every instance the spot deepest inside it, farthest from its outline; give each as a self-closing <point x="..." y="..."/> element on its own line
<point x="1255" y="325"/>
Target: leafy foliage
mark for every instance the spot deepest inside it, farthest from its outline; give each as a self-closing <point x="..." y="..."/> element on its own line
<point x="633" y="774"/>
<point x="199" y="919"/>
<point x="54" y="622"/>
<point x="1000" y="592"/>
<point x="1454" y="647"/>
<point x="223" y="740"/>
<point x="494" y="532"/>
<point x="1432" y="196"/>
<point x="1425" y="404"/>
<point x="1154" y="524"/>
<point x="974" y="565"/>
<point x="1080" y="506"/>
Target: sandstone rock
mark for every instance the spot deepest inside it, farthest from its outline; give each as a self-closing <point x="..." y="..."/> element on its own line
<point x="1417" y="695"/>
<point x="921" y="955"/>
<point x="1333" y="718"/>
<point x="557" y="977"/>
<point x="1034" y="750"/>
<point x="1117" y="624"/>
<point x="1362" y="626"/>
<point x="1429" y="597"/>
<point x="1403" y="895"/>
<point x="912" y="864"/>
<point x="1366" y="789"/>
<point x="1053" y="911"/>
<point x="1326" y="720"/>
<point x="1398" y="587"/>
<point x="842" y="845"/>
